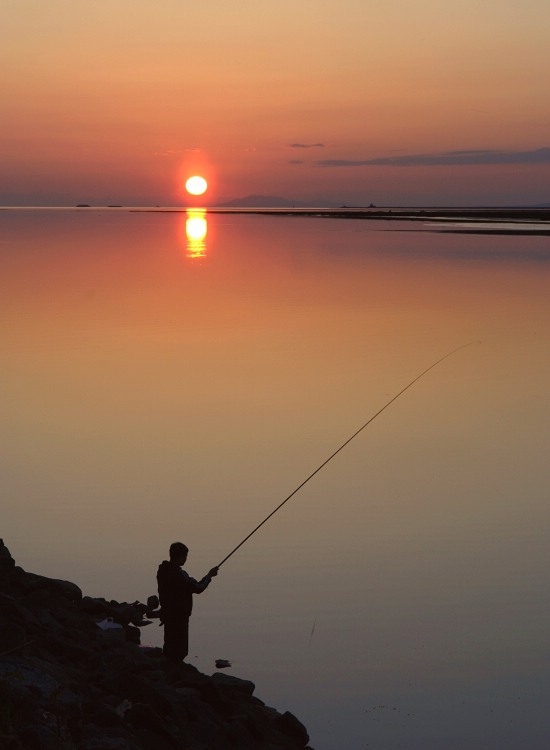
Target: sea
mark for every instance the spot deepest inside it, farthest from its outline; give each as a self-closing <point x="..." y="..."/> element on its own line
<point x="174" y="375"/>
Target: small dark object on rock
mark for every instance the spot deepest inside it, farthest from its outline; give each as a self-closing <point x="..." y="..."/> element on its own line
<point x="222" y="663"/>
<point x="152" y="607"/>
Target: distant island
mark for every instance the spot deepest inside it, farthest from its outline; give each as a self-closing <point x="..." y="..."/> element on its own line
<point x="264" y="201"/>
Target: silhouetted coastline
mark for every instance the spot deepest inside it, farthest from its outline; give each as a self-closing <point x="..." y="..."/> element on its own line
<point x="72" y="674"/>
<point x="451" y="216"/>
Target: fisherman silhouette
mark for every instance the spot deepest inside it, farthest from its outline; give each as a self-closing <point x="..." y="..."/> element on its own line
<point x="176" y="589"/>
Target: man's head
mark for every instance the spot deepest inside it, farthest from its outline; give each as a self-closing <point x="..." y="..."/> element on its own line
<point x="178" y="553"/>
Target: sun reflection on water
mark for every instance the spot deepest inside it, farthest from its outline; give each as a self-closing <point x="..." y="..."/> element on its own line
<point x="196" y="228"/>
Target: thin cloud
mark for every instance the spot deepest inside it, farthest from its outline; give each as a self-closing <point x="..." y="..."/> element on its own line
<point x="306" y="145"/>
<point x="296" y="161"/>
<point x="448" y="159"/>
<point x="176" y="152"/>
<point x="168" y="152"/>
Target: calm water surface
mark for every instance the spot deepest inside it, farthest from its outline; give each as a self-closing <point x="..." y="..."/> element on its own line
<point x="162" y="384"/>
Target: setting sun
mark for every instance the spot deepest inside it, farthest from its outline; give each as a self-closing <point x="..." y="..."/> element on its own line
<point x="196" y="185"/>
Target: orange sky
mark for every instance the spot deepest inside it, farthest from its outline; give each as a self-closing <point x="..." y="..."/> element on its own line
<point x="319" y="101"/>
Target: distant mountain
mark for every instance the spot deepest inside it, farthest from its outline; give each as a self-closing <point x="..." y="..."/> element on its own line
<point x="262" y="201"/>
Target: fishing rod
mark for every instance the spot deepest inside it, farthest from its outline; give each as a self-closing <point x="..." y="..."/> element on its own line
<point x="325" y="462"/>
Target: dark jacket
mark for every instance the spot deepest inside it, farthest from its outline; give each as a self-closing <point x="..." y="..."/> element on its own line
<point x="176" y="589"/>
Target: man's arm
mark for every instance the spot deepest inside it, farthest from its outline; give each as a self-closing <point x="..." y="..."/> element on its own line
<point x="197" y="587"/>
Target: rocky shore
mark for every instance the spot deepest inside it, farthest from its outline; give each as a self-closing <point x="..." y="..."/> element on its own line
<point x="73" y="676"/>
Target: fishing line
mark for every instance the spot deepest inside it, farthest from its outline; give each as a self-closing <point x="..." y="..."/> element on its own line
<point x="325" y="462"/>
<point x="312" y="631"/>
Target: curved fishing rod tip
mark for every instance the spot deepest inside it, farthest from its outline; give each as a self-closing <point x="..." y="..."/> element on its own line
<point x="470" y="343"/>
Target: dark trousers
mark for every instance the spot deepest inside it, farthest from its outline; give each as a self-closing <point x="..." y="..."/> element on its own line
<point x="176" y="638"/>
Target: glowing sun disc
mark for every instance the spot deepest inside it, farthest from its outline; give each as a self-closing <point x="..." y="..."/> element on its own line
<point x="196" y="185"/>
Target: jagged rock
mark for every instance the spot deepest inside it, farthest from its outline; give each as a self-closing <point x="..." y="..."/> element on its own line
<point x="228" y="681"/>
<point x="45" y="589"/>
<point x="7" y="563"/>
<point x="293" y="727"/>
<point x="66" y="683"/>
